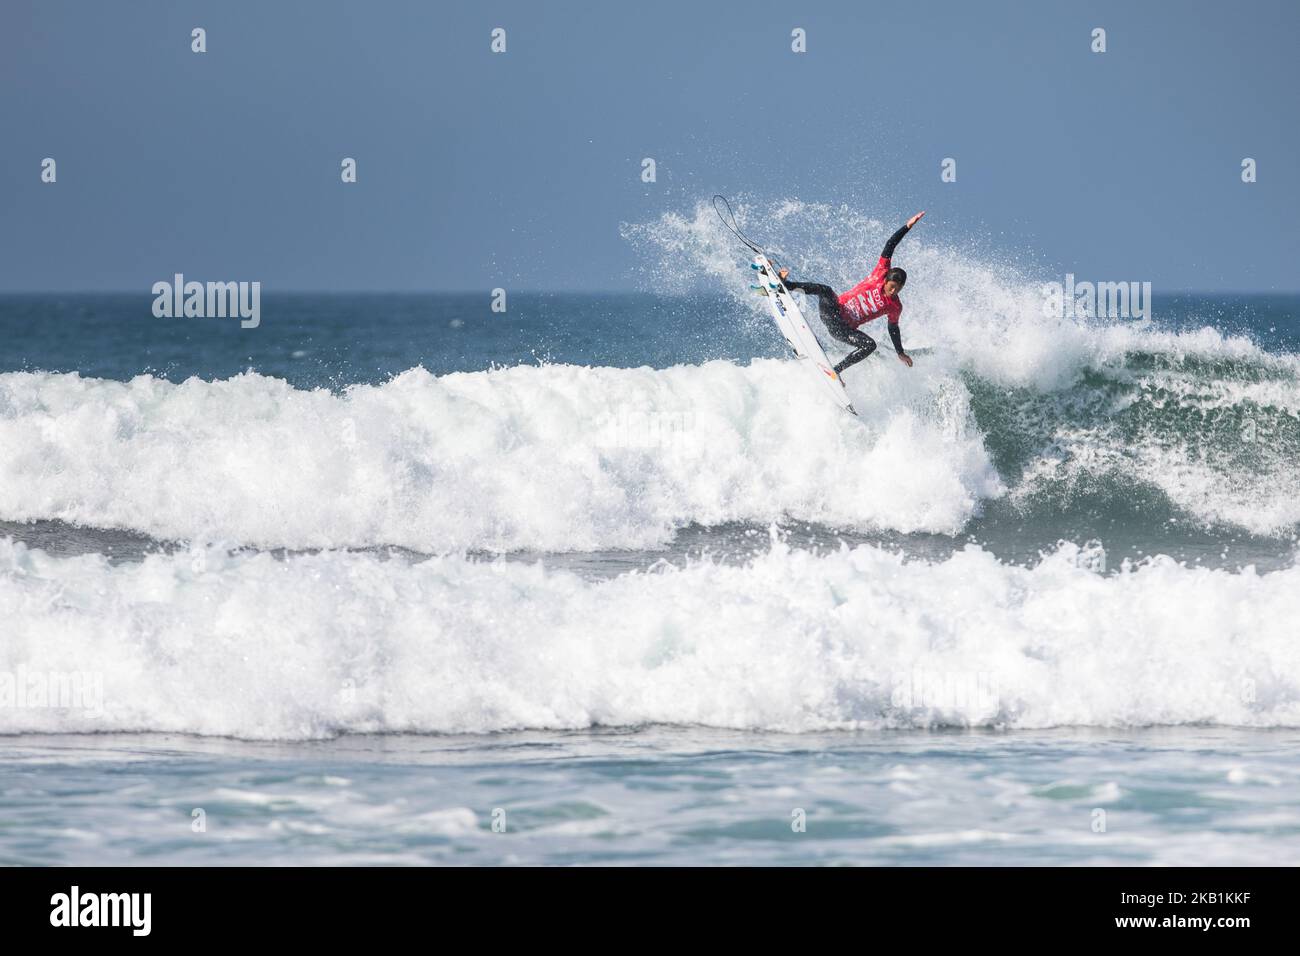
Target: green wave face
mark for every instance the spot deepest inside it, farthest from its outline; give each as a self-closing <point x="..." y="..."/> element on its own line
<point x="1153" y="440"/>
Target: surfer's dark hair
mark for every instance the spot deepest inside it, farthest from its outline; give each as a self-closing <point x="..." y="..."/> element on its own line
<point x="896" y="275"/>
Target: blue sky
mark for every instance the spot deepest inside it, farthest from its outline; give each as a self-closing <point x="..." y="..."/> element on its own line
<point x="478" y="170"/>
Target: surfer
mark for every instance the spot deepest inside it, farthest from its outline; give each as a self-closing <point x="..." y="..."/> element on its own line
<point x="874" y="296"/>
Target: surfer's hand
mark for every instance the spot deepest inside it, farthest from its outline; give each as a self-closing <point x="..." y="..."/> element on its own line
<point x="905" y="359"/>
<point x="782" y="272"/>
<point x="913" y="221"/>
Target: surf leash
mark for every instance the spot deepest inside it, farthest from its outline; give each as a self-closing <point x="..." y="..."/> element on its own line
<point x="729" y="220"/>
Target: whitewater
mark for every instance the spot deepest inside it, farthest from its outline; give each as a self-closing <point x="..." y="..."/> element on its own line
<point x="560" y="457"/>
<point x="254" y="646"/>
<point x="521" y="458"/>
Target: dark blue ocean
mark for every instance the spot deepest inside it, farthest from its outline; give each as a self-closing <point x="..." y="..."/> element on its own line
<point x="336" y="340"/>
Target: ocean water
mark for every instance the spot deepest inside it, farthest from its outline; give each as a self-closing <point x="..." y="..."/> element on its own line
<point x="610" y="564"/>
<point x="657" y="796"/>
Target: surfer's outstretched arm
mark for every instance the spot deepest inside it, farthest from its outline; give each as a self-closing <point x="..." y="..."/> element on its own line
<point x="897" y="237"/>
<point x="896" y="337"/>
<point x="892" y="242"/>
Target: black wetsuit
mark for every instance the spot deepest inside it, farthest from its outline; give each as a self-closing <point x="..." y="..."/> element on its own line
<point x="828" y="307"/>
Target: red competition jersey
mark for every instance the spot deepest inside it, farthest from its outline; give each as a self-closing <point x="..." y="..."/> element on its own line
<point x="867" y="300"/>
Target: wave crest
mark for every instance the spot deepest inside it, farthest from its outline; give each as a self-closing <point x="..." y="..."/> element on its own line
<point x="314" y="645"/>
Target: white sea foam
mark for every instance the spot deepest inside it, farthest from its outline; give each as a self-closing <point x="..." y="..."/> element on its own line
<point x="253" y="646"/>
<point x="547" y="458"/>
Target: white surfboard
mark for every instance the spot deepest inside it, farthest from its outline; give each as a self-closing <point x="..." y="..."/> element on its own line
<point x="792" y="325"/>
